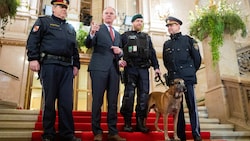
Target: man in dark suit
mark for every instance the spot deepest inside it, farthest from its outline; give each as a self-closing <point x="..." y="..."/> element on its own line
<point x="104" y="73"/>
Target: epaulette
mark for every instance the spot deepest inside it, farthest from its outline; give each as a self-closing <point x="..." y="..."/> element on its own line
<point x="193" y="42"/>
<point x="43" y="16"/>
<point x="144" y="33"/>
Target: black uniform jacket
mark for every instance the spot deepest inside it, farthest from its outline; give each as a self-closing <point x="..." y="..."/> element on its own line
<point x="181" y="57"/>
<point x="51" y="35"/>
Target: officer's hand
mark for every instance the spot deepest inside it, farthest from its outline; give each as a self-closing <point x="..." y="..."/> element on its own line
<point x="94" y="27"/>
<point x="34" y="65"/>
<point x="116" y="49"/>
<point x="122" y="63"/>
<point x="75" y="71"/>
<point x="157" y="72"/>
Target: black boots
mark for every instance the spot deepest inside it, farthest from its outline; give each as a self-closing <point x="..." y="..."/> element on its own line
<point x="127" y="126"/>
<point x="140" y="125"/>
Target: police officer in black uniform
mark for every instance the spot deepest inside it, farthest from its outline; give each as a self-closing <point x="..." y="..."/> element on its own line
<point x="182" y="59"/>
<point x="139" y="55"/>
<point x="52" y="51"/>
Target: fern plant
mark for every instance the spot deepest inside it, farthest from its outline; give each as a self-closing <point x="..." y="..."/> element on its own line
<point x="8" y="10"/>
<point x="215" y="21"/>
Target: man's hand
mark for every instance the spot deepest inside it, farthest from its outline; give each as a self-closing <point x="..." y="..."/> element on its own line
<point x="94" y="28"/>
<point x="75" y="71"/>
<point x="116" y="50"/>
<point x="34" y="65"/>
<point x="122" y="63"/>
<point x="157" y="72"/>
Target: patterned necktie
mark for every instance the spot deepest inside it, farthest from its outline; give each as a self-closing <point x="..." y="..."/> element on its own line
<point x="111" y="33"/>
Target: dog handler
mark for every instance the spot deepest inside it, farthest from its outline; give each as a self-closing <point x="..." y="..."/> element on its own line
<point x="182" y="59"/>
<point x="139" y="55"/>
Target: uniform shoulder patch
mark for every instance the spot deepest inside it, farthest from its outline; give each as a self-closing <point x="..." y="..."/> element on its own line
<point x="196" y="46"/>
<point x="194" y="42"/>
<point x="35" y="28"/>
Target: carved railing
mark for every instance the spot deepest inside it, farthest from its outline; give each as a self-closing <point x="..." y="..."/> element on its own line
<point x="237" y="93"/>
<point x="243" y="56"/>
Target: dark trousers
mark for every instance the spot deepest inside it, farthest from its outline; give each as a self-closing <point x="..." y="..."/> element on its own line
<point x="101" y="81"/>
<point x="136" y="78"/>
<point x="193" y="114"/>
<point x="57" y="83"/>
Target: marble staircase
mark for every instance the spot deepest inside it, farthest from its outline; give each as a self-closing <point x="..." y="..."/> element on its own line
<point x="17" y="125"/>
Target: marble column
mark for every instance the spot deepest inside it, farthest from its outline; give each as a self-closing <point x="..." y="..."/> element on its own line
<point x="215" y="96"/>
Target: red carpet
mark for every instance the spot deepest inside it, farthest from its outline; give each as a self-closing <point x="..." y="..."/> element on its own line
<point x="83" y="128"/>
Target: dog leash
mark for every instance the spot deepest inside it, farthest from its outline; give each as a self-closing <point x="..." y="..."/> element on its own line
<point x="158" y="78"/>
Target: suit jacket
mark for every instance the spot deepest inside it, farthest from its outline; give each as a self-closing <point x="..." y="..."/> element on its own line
<point x="102" y="56"/>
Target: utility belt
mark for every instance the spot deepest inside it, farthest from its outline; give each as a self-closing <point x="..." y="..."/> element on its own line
<point x="45" y="57"/>
<point x="140" y="64"/>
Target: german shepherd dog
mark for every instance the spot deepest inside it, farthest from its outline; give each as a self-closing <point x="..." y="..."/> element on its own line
<point x="166" y="103"/>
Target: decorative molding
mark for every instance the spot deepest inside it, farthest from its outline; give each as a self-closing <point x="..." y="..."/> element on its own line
<point x="243" y="56"/>
<point x="14" y="42"/>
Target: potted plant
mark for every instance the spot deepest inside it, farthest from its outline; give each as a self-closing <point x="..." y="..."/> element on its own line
<point x="215" y="21"/>
<point x="81" y="35"/>
<point x="8" y="10"/>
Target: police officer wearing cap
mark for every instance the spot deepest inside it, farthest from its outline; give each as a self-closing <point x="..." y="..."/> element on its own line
<point x="139" y="55"/>
<point x="53" y="53"/>
<point x="182" y="59"/>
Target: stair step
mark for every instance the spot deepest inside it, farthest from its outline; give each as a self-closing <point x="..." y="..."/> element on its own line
<point x="231" y="135"/>
<point x="212" y="127"/>
<point x="18" y="125"/>
<point x="18" y="117"/>
<point x="150" y="119"/>
<point x="205" y="120"/>
<point x="104" y="126"/>
<point x="130" y="136"/>
<point x="9" y="125"/>
<point x="201" y="115"/>
<point x="7" y="105"/>
<point x="19" y="112"/>
<point x="199" y="108"/>
<point x="15" y="135"/>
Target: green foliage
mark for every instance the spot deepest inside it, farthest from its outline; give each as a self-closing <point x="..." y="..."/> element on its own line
<point x="8" y="10"/>
<point x="81" y="35"/>
<point x="215" y="21"/>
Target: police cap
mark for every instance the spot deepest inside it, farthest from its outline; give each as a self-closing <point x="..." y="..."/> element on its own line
<point x="60" y="2"/>
<point x="172" y="20"/>
<point x="136" y="16"/>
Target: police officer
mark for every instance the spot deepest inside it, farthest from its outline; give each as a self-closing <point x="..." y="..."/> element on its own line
<point x="139" y="55"/>
<point x="52" y="51"/>
<point x="182" y="59"/>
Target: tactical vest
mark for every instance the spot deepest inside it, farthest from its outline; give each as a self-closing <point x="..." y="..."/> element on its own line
<point x="137" y="49"/>
<point x="137" y="46"/>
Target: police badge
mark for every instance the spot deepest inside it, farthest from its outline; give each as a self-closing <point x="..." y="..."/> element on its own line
<point x="196" y="46"/>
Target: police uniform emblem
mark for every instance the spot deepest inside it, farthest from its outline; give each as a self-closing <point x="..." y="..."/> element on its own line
<point x="35" y="28"/>
<point x="64" y="1"/>
<point x="196" y="46"/>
